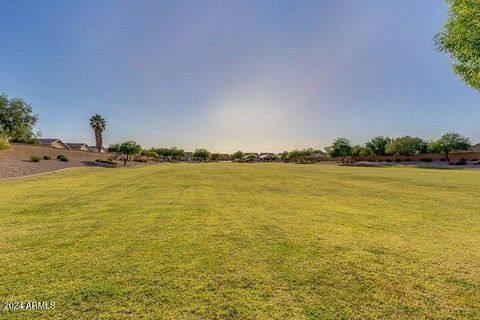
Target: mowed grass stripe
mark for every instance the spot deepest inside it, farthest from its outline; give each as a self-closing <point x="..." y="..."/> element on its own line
<point x="236" y="241"/>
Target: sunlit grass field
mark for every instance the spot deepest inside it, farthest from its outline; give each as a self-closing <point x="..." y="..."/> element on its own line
<point x="243" y="241"/>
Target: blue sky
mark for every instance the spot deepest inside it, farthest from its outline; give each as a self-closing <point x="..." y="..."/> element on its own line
<point x="228" y="75"/>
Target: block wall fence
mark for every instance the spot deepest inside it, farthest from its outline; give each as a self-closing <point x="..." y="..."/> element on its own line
<point x="20" y="151"/>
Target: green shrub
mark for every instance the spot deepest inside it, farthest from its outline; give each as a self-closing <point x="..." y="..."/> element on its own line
<point x="398" y="160"/>
<point x="63" y="158"/>
<point x="474" y="160"/>
<point x="47" y="158"/>
<point x="388" y="160"/>
<point x="35" y="158"/>
<point x="4" y="144"/>
<point x="426" y="159"/>
<point x="462" y="162"/>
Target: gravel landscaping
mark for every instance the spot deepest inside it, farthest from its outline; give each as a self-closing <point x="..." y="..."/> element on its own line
<point x="16" y="168"/>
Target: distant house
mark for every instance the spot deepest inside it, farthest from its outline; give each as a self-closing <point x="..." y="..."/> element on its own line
<point x="187" y="156"/>
<point x="475" y="148"/>
<point x="53" y="143"/>
<point x="94" y="148"/>
<point x="318" y="156"/>
<point x="267" y="157"/>
<point x="250" y="157"/>
<point x="80" y="146"/>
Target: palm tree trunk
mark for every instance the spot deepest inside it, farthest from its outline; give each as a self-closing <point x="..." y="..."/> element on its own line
<point x="98" y="140"/>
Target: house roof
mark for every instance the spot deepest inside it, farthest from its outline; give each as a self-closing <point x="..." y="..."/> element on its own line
<point x="46" y="141"/>
<point x="78" y="145"/>
<point x="267" y="155"/>
<point x="50" y="141"/>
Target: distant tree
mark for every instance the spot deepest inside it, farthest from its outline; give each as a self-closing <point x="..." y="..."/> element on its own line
<point x="432" y="147"/>
<point x="294" y="155"/>
<point x="300" y="155"/>
<point x="406" y="145"/>
<point x="306" y="153"/>
<point x="451" y="141"/>
<point x="149" y="153"/>
<point x="237" y="155"/>
<point x="356" y="150"/>
<point x="113" y="148"/>
<point x="460" y="38"/>
<point x="377" y="145"/>
<point x="170" y="153"/>
<point x="215" y="156"/>
<point x="176" y="153"/>
<point x="365" y="152"/>
<point x="126" y="150"/>
<point x="340" y="148"/>
<point x="202" y="153"/>
<point x="98" y="124"/>
<point x="17" y="120"/>
<point x="164" y="152"/>
<point x="283" y="155"/>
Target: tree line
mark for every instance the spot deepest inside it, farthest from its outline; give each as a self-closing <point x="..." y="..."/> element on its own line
<point x="405" y="145"/>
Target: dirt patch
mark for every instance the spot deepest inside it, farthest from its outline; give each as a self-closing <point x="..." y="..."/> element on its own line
<point x="10" y="168"/>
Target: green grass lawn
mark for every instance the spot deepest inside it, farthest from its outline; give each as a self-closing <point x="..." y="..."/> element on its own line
<point x="243" y="241"/>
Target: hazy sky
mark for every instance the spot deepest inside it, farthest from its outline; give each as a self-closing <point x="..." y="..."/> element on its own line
<point x="227" y="75"/>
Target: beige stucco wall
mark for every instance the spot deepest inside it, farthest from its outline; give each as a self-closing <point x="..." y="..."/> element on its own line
<point x="25" y="151"/>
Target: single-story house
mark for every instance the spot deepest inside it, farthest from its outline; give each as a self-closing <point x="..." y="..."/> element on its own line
<point x="475" y="148"/>
<point x="94" y="148"/>
<point x="80" y="146"/>
<point x="53" y="143"/>
<point x="187" y="156"/>
<point x="267" y="157"/>
<point x="250" y="157"/>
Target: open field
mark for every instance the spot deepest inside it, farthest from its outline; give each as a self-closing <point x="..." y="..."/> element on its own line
<point x="240" y="241"/>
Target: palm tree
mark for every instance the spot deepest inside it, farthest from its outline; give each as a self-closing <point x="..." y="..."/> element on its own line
<point x="98" y="125"/>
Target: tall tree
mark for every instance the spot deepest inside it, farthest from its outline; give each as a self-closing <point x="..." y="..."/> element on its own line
<point x="237" y="155"/>
<point x="215" y="156"/>
<point x="17" y="120"/>
<point x="377" y="145"/>
<point x="125" y="150"/>
<point x="460" y="38"/>
<point x="98" y="124"/>
<point x="341" y="148"/>
<point x="202" y="153"/>
<point x="406" y="145"/>
<point x="450" y="142"/>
